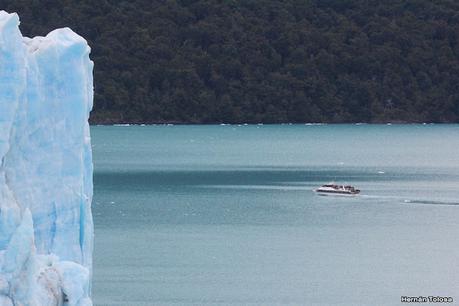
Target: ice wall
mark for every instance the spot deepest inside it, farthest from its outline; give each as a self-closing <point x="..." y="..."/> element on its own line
<point x="46" y="230"/>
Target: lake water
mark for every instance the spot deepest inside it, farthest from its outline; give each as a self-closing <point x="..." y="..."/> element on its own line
<point x="225" y="215"/>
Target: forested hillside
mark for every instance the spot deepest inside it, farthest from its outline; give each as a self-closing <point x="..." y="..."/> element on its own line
<point x="210" y="61"/>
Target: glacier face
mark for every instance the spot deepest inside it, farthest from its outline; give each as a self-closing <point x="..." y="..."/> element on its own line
<point x="46" y="229"/>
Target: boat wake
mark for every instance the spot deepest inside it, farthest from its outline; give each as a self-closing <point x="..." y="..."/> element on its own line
<point x="429" y="202"/>
<point x="404" y="200"/>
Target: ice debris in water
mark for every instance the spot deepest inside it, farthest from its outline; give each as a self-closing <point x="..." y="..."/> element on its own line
<point x="46" y="229"/>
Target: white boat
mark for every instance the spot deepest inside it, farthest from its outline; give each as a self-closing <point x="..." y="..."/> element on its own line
<point x="334" y="189"/>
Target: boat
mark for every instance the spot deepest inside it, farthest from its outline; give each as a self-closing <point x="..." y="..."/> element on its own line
<point x="334" y="189"/>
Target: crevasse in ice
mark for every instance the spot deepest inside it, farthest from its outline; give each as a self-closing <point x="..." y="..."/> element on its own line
<point x="46" y="230"/>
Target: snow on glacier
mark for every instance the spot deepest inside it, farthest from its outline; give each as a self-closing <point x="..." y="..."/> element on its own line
<point x="46" y="229"/>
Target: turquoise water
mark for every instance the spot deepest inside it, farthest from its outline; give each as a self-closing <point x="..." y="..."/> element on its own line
<point x="225" y="215"/>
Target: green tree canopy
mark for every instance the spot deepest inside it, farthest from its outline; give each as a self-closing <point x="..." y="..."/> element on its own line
<point x="212" y="61"/>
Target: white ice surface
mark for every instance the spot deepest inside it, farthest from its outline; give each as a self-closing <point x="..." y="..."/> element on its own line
<point x="46" y="230"/>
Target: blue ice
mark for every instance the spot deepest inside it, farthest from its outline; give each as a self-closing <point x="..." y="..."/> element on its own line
<point x="46" y="229"/>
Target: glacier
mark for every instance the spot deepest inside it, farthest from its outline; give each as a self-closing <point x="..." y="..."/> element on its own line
<point x="46" y="227"/>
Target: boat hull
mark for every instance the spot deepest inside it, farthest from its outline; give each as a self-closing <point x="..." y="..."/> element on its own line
<point x="336" y="192"/>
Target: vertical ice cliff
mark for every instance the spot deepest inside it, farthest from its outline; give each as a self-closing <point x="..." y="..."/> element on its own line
<point x="46" y="230"/>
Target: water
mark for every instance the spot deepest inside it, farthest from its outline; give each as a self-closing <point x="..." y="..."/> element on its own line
<point x="225" y="215"/>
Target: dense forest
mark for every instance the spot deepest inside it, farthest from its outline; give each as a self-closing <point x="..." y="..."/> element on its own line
<point x="212" y="61"/>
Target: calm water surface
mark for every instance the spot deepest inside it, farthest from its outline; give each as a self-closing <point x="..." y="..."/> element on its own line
<point x="225" y="215"/>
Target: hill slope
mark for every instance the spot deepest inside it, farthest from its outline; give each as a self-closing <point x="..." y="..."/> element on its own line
<point x="209" y="61"/>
